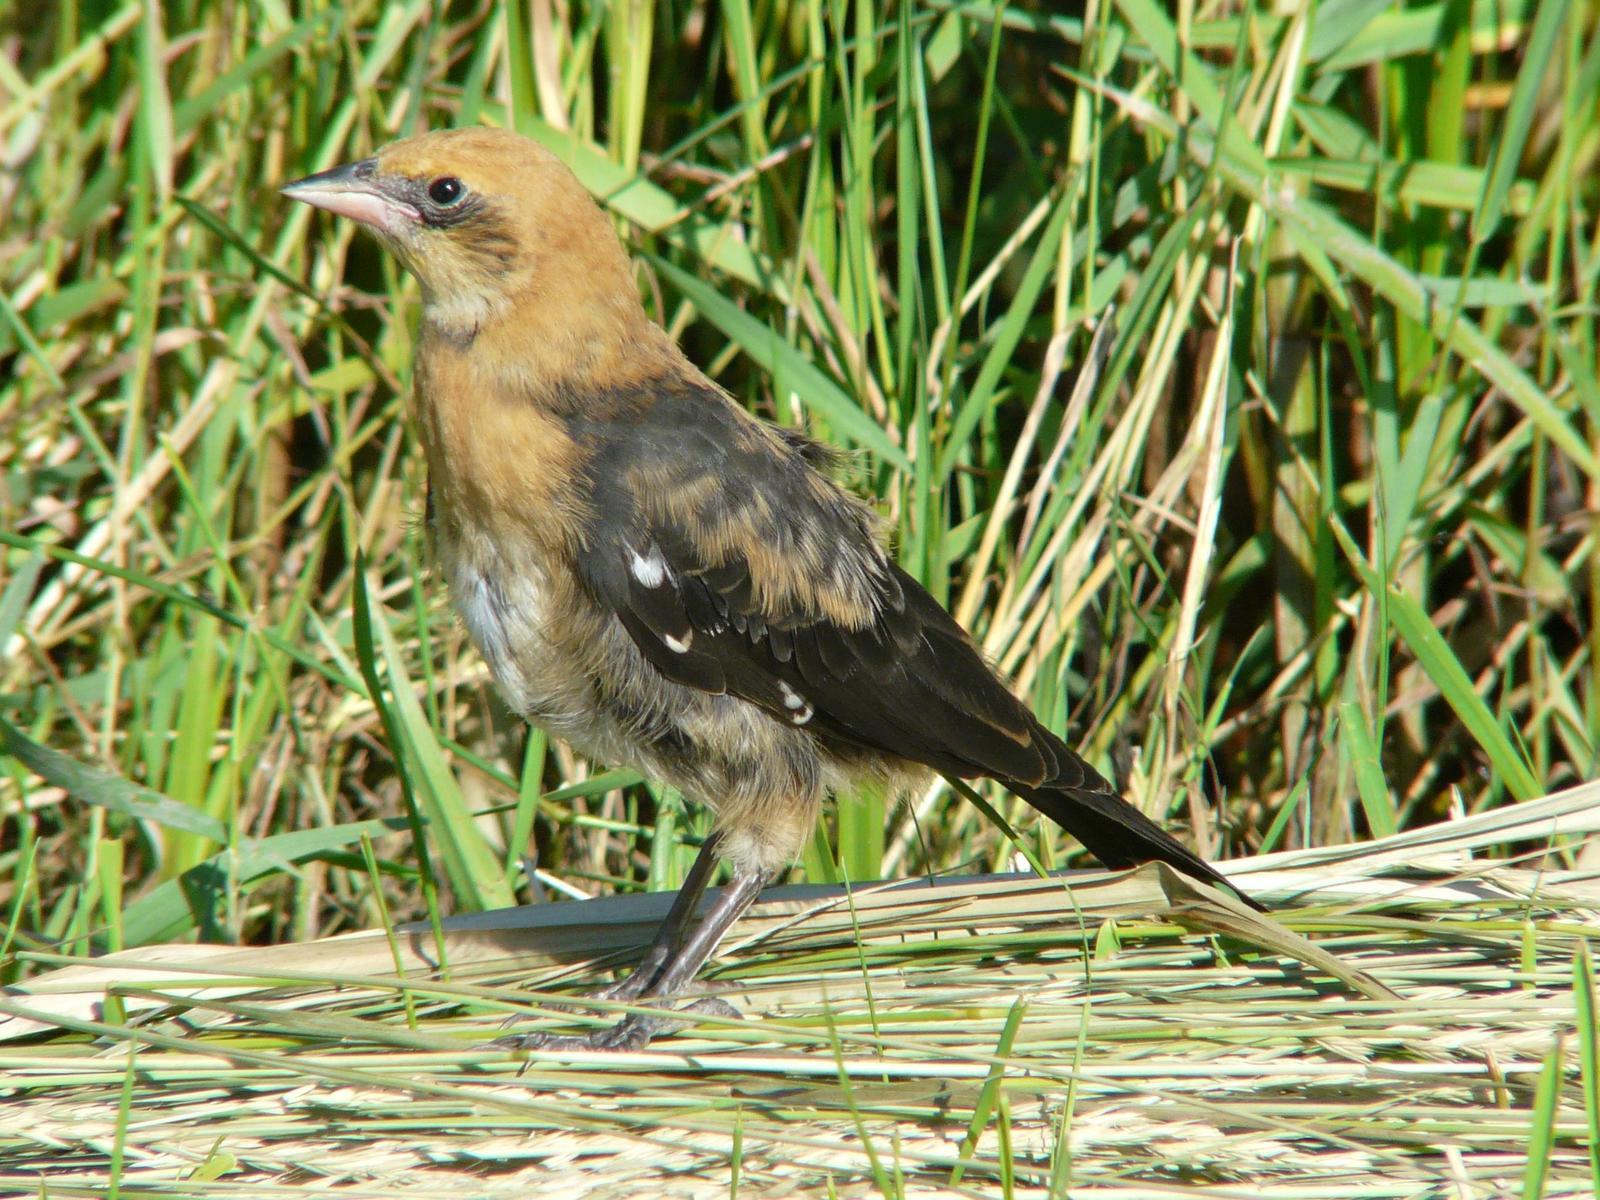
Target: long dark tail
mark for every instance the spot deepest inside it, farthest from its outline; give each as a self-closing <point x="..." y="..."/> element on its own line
<point x="1118" y="834"/>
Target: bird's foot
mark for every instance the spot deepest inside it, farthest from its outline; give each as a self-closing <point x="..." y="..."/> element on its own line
<point x="633" y="1032"/>
<point x="627" y="989"/>
<point x="631" y="986"/>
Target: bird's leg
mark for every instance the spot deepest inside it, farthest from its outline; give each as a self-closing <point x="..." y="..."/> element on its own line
<point x="703" y="937"/>
<point x="641" y="980"/>
<point x="678" y="967"/>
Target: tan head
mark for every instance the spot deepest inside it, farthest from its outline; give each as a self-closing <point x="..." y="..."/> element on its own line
<point x="486" y="220"/>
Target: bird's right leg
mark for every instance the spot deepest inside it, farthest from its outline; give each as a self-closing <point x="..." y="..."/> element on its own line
<point x="677" y="968"/>
<point x="641" y="981"/>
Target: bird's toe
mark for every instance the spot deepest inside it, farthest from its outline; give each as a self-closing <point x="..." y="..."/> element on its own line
<point x="633" y="1032"/>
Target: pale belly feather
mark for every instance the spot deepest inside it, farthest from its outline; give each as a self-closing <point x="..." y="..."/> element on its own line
<point x="506" y="610"/>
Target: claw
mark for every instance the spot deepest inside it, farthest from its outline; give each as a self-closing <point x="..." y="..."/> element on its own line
<point x="633" y="1032"/>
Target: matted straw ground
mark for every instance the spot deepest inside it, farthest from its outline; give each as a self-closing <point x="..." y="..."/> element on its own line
<point x="981" y="1036"/>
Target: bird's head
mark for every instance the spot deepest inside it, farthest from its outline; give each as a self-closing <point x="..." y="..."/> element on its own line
<point x="485" y="219"/>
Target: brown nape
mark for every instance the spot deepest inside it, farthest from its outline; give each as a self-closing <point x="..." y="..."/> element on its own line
<point x="661" y="579"/>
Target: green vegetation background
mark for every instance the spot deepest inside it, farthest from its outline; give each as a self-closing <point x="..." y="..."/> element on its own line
<point x="1310" y="555"/>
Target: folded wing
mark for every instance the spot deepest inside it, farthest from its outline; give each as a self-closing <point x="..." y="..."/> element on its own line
<point x="736" y="568"/>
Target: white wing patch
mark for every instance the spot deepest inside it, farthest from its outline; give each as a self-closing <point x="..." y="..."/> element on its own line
<point x="651" y="570"/>
<point x="676" y="646"/>
<point x="799" y="707"/>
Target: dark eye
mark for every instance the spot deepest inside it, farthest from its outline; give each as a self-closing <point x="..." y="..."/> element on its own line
<point x="446" y="190"/>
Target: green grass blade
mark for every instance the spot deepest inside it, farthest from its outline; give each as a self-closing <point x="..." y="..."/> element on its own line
<point x="91" y="785"/>
<point x="766" y="347"/>
<point x="1537" y="58"/>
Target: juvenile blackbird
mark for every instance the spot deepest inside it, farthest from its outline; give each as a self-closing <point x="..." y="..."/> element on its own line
<point x="655" y="575"/>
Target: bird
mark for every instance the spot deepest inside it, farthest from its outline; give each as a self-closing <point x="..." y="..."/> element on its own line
<point x="658" y="576"/>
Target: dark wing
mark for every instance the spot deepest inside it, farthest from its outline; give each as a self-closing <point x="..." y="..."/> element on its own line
<point x="736" y="568"/>
<point x="906" y="681"/>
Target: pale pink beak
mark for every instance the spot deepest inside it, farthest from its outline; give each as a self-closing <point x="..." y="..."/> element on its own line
<point x="355" y="191"/>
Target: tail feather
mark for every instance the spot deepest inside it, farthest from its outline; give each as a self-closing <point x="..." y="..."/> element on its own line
<point x="1118" y="834"/>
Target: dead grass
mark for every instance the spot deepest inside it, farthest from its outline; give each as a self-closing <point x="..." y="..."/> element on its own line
<point x="1003" y="1030"/>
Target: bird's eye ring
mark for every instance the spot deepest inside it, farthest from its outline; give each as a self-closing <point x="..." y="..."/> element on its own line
<point x="446" y="190"/>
